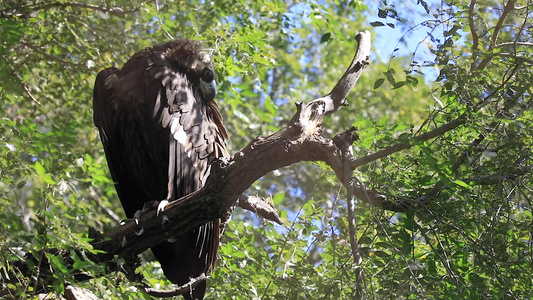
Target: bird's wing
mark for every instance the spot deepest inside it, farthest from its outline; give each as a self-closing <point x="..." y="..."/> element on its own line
<point x="194" y="140"/>
<point x="132" y="143"/>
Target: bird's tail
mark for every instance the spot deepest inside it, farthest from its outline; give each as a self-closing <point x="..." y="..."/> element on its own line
<point x="189" y="256"/>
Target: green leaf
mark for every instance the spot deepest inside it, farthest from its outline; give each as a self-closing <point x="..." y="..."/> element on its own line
<point x="413" y="81"/>
<point x="57" y="263"/>
<point x="271" y="107"/>
<point x="278" y="198"/>
<point x="39" y="168"/>
<point x="41" y="172"/>
<point x="21" y="184"/>
<point x="389" y="74"/>
<point x="399" y="84"/>
<point x="238" y="254"/>
<point x="462" y="184"/>
<point x="376" y="24"/>
<point x="453" y="30"/>
<point x="379" y="82"/>
<point x="326" y="37"/>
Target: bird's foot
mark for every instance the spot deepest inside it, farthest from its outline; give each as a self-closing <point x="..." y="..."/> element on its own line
<point x="136" y="217"/>
<point x="148" y="206"/>
<point x="161" y="206"/>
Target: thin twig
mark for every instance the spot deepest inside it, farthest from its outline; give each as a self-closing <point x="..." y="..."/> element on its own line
<point x="475" y="39"/>
<point x="401" y="146"/>
<point x="111" y="11"/>
<point x="38" y="50"/>
<point x="507" y="9"/>
<point x="194" y="282"/>
<point x="25" y="88"/>
<point x="352" y="230"/>
<point x="500" y="45"/>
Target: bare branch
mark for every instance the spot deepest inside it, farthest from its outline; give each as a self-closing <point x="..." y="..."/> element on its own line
<point x="25" y="88"/>
<point x="336" y="98"/>
<point x="516" y="57"/>
<point x="259" y="206"/>
<point x="38" y="50"/>
<point x="497" y="178"/>
<point x="475" y="39"/>
<point x="352" y="74"/>
<point x="501" y="45"/>
<point x="356" y="254"/>
<point x="75" y="293"/>
<point x="506" y="11"/>
<point x="524" y="6"/>
<point x="403" y="204"/>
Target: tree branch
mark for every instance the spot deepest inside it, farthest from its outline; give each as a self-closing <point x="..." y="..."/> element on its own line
<point x="401" y="146"/>
<point x="473" y="32"/>
<point x="25" y="88"/>
<point x="402" y="204"/>
<point x="194" y="282"/>
<point x="259" y="206"/>
<point x="506" y="10"/>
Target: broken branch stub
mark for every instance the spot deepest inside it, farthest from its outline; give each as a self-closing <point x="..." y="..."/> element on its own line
<point x="310" y="116"/>
<point x="337" y="97"/>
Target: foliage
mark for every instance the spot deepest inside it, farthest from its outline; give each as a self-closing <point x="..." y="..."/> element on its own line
<point x="472" y="239"/>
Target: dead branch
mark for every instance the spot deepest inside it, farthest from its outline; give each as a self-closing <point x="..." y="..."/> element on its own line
<point x="259" y="206"/>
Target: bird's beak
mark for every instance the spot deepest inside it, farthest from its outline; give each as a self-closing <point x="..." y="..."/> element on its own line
<point x="208" y="90"/>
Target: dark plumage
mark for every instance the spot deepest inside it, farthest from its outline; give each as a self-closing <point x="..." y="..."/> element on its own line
<point x="160" y="130"/>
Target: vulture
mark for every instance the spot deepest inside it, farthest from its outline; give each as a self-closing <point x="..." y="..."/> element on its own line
<point x="161" y="129"/>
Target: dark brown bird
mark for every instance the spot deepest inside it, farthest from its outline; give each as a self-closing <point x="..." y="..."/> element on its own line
<point x="161" y="130"/>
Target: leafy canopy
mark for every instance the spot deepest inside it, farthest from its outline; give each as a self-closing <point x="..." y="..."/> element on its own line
<point x="471" y="239"/>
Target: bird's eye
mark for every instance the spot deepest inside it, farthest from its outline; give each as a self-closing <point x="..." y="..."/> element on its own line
<point x="207" y="74"/>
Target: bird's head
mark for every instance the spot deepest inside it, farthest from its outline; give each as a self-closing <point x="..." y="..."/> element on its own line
<point x="190" y="57"/>
<point x="205" y="72"/>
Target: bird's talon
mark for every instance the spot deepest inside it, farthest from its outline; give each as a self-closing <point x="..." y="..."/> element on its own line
<point x="161" y="206"/>
<point x="137" y="216"/>
<point x="139" y="230"/>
